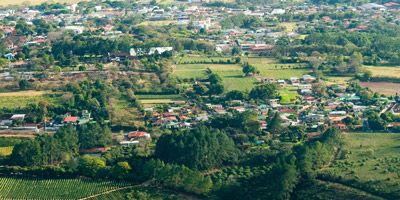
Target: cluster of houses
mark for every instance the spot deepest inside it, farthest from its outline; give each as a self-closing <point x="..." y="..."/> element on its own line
<point x="18" y="122"/>
<point x="200" y="16"/>
<point x="310" y="110"/>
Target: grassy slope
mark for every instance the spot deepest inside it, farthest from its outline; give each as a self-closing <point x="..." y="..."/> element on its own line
<point x="24" y="98"/>
<point x="372" y="159"/>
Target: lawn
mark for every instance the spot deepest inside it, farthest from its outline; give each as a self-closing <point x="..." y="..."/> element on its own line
<point x="384" y="71"/>
<point x="289" y="94"/>
<point x="231" y="74"/>
<point x="24" y="98"/>
<point x="20" y="188"/>
<point x="372" y="159"/>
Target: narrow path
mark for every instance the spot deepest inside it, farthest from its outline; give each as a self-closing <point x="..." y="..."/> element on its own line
<point x="147" y="183"/>
<point x="107" y="192"/>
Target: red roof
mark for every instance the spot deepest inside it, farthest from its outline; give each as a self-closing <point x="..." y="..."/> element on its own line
<point x="137" y="134"/>
<point x="70" y="119"/>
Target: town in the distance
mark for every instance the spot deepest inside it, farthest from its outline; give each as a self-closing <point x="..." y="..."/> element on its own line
<point x="200" y="99"/>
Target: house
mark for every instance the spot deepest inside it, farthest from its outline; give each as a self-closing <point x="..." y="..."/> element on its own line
<point x="9" y="56"/>
<point x="308" y="78"/>
<point x="278" y="11"/>
<point x="138" y="135"/>
<point x="128" y="143"/>
<point x="20" y="117"/>
<point x="70" y="119"/>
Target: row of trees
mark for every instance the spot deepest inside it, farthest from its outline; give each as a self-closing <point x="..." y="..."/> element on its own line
<point x="63" y="146"/>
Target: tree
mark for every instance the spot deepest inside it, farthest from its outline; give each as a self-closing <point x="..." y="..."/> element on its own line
<point x="199" y="148"/>
<point x="214" y="78"/>
<point x="215" y="89"/>
<point x="264" y="92"/>
<point x="356" y="62"/>
<point x="248" y="69"/>
<point x="121" y="170"/>
<point x="90" y="166"/>
<point x="375" y="122"/>
<point x="24" y="84"/>
<point x="235" y="95"/>
<point x="93" y="135"/>
<point x="274" y="123"/>
<point x="236" y="51"/>
<point x="99" y="66"/>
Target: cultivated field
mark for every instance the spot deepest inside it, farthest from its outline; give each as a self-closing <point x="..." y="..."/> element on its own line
<point x="34" y="2"/>
<point x="385" y="88"/>
<point x="372" y="159"/>
<point x="24" y="98"/>
<point x="13" y="188"/>
<point x="150" y="100"/>
<point x="384" y="71"/>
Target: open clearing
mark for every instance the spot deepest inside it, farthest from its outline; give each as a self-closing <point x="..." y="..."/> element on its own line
<point x="22" y="99"/>
<point x="385" y="88"/>
<point x="150" y="100"/>
<point x="232" y="75"/>
<point x="271" y="68"/>
<point x="34" y="2"/>
<point x="378" y="71"/>
<point x="372" y="159"/>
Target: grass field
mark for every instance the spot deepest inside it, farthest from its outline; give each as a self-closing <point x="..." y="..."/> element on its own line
<point x="288" y="94"/>
<point x="124" y="114"/>
<point x="339" y="80"/>
<point x="232" y="75"/>
<point x="271" y="68"/>
<point x="372" y="159"/>
<point x="22" y="99"/>
<point x="34" y="2"/>
<point x="149" y="100"/>
<point x="13" y="188"/>
<point x="384" y="71"/>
